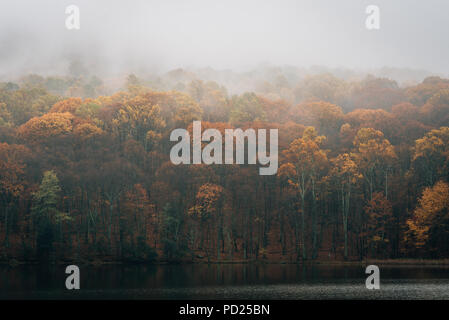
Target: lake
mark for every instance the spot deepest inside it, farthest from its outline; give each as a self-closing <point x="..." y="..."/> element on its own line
<point x="226" y="281"/>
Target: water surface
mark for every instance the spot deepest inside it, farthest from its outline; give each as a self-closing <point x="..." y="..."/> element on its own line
<point x="228" y="281"/>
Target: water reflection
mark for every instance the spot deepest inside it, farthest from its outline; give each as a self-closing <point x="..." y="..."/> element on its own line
<point x="251" y="281"/>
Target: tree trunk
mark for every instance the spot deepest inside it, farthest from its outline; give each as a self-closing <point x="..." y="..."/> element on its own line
<point x="314" y="222"/>
<point x="6" y="227"/>
<point x="303" y="228"/>
<point x="345" y="203"/>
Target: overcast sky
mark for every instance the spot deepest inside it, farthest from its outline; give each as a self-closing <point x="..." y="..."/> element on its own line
<point x="165" y="34"/>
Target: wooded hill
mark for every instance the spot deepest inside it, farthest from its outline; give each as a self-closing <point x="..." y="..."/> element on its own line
<point x="363" y="172"/>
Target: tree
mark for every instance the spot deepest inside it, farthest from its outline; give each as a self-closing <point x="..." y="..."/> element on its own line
<point x="12" y="170"/>
<point x="46" y="215"/>
<point x="422" y="92"/>
<point x="246" y="107"/>
<point x="345" y="173"/>
<point x="326" y="117"/>
<point x="171" y="232"/>
<point x="379" y="212"/>
<point x="275" y="110"/>
<point x="26" y="103"/>
<point x="429" y="224"/>
<point x="176" y="109"/>
<point x="5" y="115"/>
<point x="212" y="99"/>
<point x="325" y="87"/>
<point x="207" y="209"/>
<point x="431" y="155"/>
<point x="303" y="165"/>
<point x="435" y="111"/>
<point x="374" y="93"/>
<point x="137" y="120"/>
<point x="374" y="156"/>
<point x="48" y="126"/>
<point x="377" y="119"/>
<point x="67" y="105"/>
<point x="138" y="211"/>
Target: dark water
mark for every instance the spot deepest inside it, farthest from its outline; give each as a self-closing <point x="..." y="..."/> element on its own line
<point x="231" y="281"/>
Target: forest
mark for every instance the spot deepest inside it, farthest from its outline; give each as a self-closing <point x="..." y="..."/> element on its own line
<point x="85" y="172"/>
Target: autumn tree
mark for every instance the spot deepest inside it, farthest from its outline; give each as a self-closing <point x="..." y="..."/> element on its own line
<point x="137" y="121"/>
<point x="436" y="110"/>
<point x="50" y="125"/>
<point x="207" y="210"/>
<point x="429" y="224"/>
<point x="303" y="166"/>
<point x="375" y="158"/>
<point x="377" y="119"/>
<point x="138" y="212"/>
<point x="374" y="93"/>
<point x="12" y="179"/>
<point x="345" y="173"/>
<point x="431" y="155"/>
<point x="212" y="98"/>
<point x="326" y="117"/>
<point x="379" y="214"/>
<point x="177" y="109"/>
<point x="136" y="225"/>
<point x="67" y="105"/>
<point x="422" y="92"/>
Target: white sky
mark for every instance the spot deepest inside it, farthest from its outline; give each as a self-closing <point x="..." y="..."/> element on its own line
<point x="233" y="34"/>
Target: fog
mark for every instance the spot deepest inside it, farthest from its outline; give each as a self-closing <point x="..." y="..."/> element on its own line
<point x="156" y="36"/>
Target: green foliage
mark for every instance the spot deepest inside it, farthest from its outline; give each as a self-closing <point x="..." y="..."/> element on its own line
<point x="24" y="103"/>
<point x="46" y="198"/>
<point x="45" y="213"/>
<point x="171" y="225"/>
<point x="246" y="107"/>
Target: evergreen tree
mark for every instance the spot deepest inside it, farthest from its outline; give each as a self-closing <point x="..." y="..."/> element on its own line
<point x="46" y="216"/>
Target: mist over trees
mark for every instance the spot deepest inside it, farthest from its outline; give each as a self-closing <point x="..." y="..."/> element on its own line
<point x="85" y="173"/>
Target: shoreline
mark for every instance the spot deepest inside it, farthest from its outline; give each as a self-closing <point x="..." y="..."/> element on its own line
<point x="380" y="262"/>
